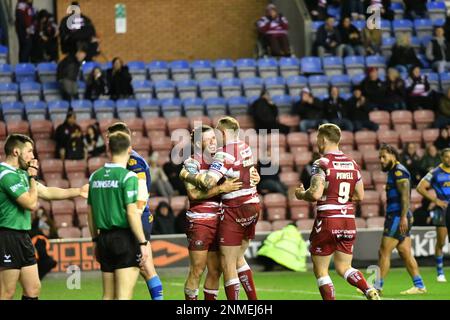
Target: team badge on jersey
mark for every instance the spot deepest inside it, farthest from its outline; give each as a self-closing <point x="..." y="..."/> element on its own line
<point x="398" y="173"/>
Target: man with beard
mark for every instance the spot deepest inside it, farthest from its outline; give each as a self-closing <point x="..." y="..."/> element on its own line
<point x="397" y="226"/>
<point x="19" y="193"/>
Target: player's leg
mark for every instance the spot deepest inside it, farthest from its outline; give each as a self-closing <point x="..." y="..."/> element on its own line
<point x="197" y="265"/>
<point x="31" y="285"/>
<point x="125" y="280"/>
<point x="320" y="268"/>
<point x="108" y="285"/>
<point x="212" y="279"/>
<point x="229" y="256"/>
<point x="384" y="259"/>
<point x="245" y="274"/>
<point x="8" y="282"/>
<point x="404" y="250"/>
<point x="440" y="242"/>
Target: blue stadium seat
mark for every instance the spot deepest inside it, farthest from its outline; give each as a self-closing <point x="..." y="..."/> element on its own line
<point x="345" y="96"/>
<point x="58" y="109"/>
<point x="283" y="102"/>
<point x="137" y="70"/>
<point x="149" y="108"/>
<point x="25" y="72"/>
<point x="275" y="85"/>
<point x="237" y="106"/>
<point x="333" y="65"/>
<point x="36" y="110"/>
<point x="51" y="91"/>
<point x="246" y="68"/>
<point x="438" y="22"/>
<point x="216" y="107"/>
<point x="202" y="69"/>
<point x="416" y="45"/>
<point x="47" y="71"/>
<point x="315" y="25"/>
<point x="289" y="67"/>
<point x="186" y="88"/>
<point x="386" y="46"/>
<point x="296" y="84"/>
<point x="358" y="78"/>
<point x="9" y="92"/>
<point x="386" y="28"/>
<point x="343" y="82"/>
<point x="224" y="68"/>
<point x="433" y="79"/>
<point x="87" y="67"/>
<point x="171" y="108"/>
<point x="424" y="40"/>
<point x="104" y="109"/>
<point x="3" y="54"/>
<point x="425" y="63"/>
<point x="143" y="89"/>
<point x="82" y="108"/>
<point x="318" y="85"/>
<point x="267" y="67"/>
<point x="158" y="70"/>
<point x="334" y="11"/>
<point x="398" y="9"/>
<point x="209" y="88"/>
<point x="127" y="108"/>
<point x="81" y="88"/>
<point x="30" y="91"/>
<point x="445" y="81"/>
<point x="423" y="27"/>
<point x="311" y="65"/>
<point x="193" y="107"/>
<point x="106" y="65"/>
<point x="231" y="87"/>
<point x="180" y="70"/>
<point x="359" y="24"/>
<point x="165" y="89"/>
<point x="12" y="111"/>
<point x="377" y="62"/>
<point x="252" y="86"/>
<point x="436" y="10"/>
<point x="6" y="73"/>
<point x="402" y="26"/>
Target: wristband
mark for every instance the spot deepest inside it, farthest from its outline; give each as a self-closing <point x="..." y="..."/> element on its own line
<point x="143" y="243"/>
<point x="33" y="167"/>
<point x="33" y="177"/>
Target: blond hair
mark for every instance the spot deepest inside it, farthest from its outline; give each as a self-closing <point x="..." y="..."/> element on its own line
<point x="330" y="131"/>
<point x="228" y="123"/>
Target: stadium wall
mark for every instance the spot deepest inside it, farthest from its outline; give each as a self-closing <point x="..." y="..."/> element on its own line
<point x="174" y="29"/>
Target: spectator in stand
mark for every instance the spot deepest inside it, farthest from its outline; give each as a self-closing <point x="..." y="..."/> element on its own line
<point x="160" y="183"/>
<point x="443" y="112"/>
<point x="317" y="9"/>
<point x="419" y="94"/>
<point x="265" y="114"/>
<point x="415" y="9"/>
<point x="68" y="73"/>
<point x="335" y="110"/>
<point x="351" y="38"/>
<point x="384" y="8"/>
<point x="96" y="86"/>
<point x="69" y="139"/>
<point x="25" y="28"/>
<point x="43" y="223"/>
<point x="310" y="111"/>
<point x="164" y="222"/>
<point x="172" y="172"/>
<point x="430" y="160"/>
<point x="93" y="141"/>
<point x="269" y="182"/>
<point x="45" y="41"/>
<point x="119" y="80"/>
<point x="374" y="90"/>
<point x="372" y="40"/>
<point x="353" y="8"/>
<point x="80" y="32"/>
<point x="438" y="51"/>
<point x="443" y="141"/>
<point x="328" y="39"/>
<point x="359" y="112"/>
<point x="274" y="30"/>
<point x="411" y="160"/>
<point x="396" y="92"/>
<point x="403" y="55"/>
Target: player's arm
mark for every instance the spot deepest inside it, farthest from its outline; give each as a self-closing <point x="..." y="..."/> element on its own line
<point x="358" y="194"/>
<point x="91" y="223"/>
<point x="403" y="187"/>
<point x="195" y="193"/>
<point x="315" y="190"/>
<point x="134" y="219"/>
<point x="201" y="180"/>
<point x="53" y="193"/>
<point x="423" y="187"/>
<point x="142" y="196"/>
<point x="28" y="199"/>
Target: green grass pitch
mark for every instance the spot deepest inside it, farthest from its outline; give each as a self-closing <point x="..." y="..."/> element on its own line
<point x="283" y="285"/>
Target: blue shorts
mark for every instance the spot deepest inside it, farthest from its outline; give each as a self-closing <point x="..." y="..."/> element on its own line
<point x="392" y="226"/>
<point x="438" y="217"/>
<point x="147" y="223"/>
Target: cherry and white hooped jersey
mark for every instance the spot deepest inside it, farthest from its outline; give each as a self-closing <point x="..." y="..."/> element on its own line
<point x="235" y="160"/>
<point x="201" y="209"/>
<point x="341" y="174"/>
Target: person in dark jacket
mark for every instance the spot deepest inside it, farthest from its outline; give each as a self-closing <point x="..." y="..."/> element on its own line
<point x="69" y="139"/>
<point x="396" y="91"/>
<point x="96" y="85"/>
<point x="415" y="9"/>
<point x="119" y="80"/>
<point x="438" y="51"/>
<point x="335" y="110"/>
<point x="328" y="39"/>
<point x="419" y="93"/>
<point x="310" y="111"/>
<point x="164" y="222"/>
<point x="411" y="160"/>
<point x="317" y="9"/>
<point x="93" y="141"/>
<point x="359" y="112"/>
<point x="430" y="159"/>
<point x="443" y="141"/>
<point x="25" y="28"/>
<point x="269" y="182"/>
<point x="45" y="42"/>
<point x="443" y="112"/>
<point x="351" y="38"/>
<point x="265" y="114"/>
<point x="374" y="90"/>
<point x="68" y="73"/>
<point x="403" y="55"/>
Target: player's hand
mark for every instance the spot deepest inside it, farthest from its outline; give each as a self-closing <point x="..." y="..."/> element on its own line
<point x="231" y="185"/>
<point x="403" y="225"/>
<point x="183" y="174"/>
<point x="144" y="255"/>
<point x="299" y="191"/>
<point x="441" y="204"/>
<point x="254" y="176"/>
<point x="33" y="169"/>
<point x="84" y="190"/>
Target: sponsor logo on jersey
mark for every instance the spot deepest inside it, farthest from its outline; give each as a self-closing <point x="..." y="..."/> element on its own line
<point x="248" y="162"/>
<point x="105" y="184"/>
<point x="343" y="165"/>
<point x="217" y="166"/>
<point x="398" y="173"/>
<point x="246" y="153"/>
<point x="7" y="258"/>
<point x="16" y="187"/>
<point x="132" y="162"/>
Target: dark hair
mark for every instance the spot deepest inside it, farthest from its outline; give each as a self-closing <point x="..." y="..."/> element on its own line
<point x="164" y="204"/>
<point x="390" y="149"/>
<point x="115" y="59"/>
<point x="119" y="127"/>
<point x="16" y="140"/>
<point x="119" y="142"/>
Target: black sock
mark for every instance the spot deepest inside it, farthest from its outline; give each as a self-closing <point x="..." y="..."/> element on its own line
<point x="29" y="298"/>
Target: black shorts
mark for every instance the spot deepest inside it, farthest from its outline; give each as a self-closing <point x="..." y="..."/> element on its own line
<point x="117" y="249"/>
<point x="16" y="249"/>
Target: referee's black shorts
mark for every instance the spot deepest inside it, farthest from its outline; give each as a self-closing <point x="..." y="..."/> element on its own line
<point x="16" y="249"/>
<point x="117" y="249"/>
